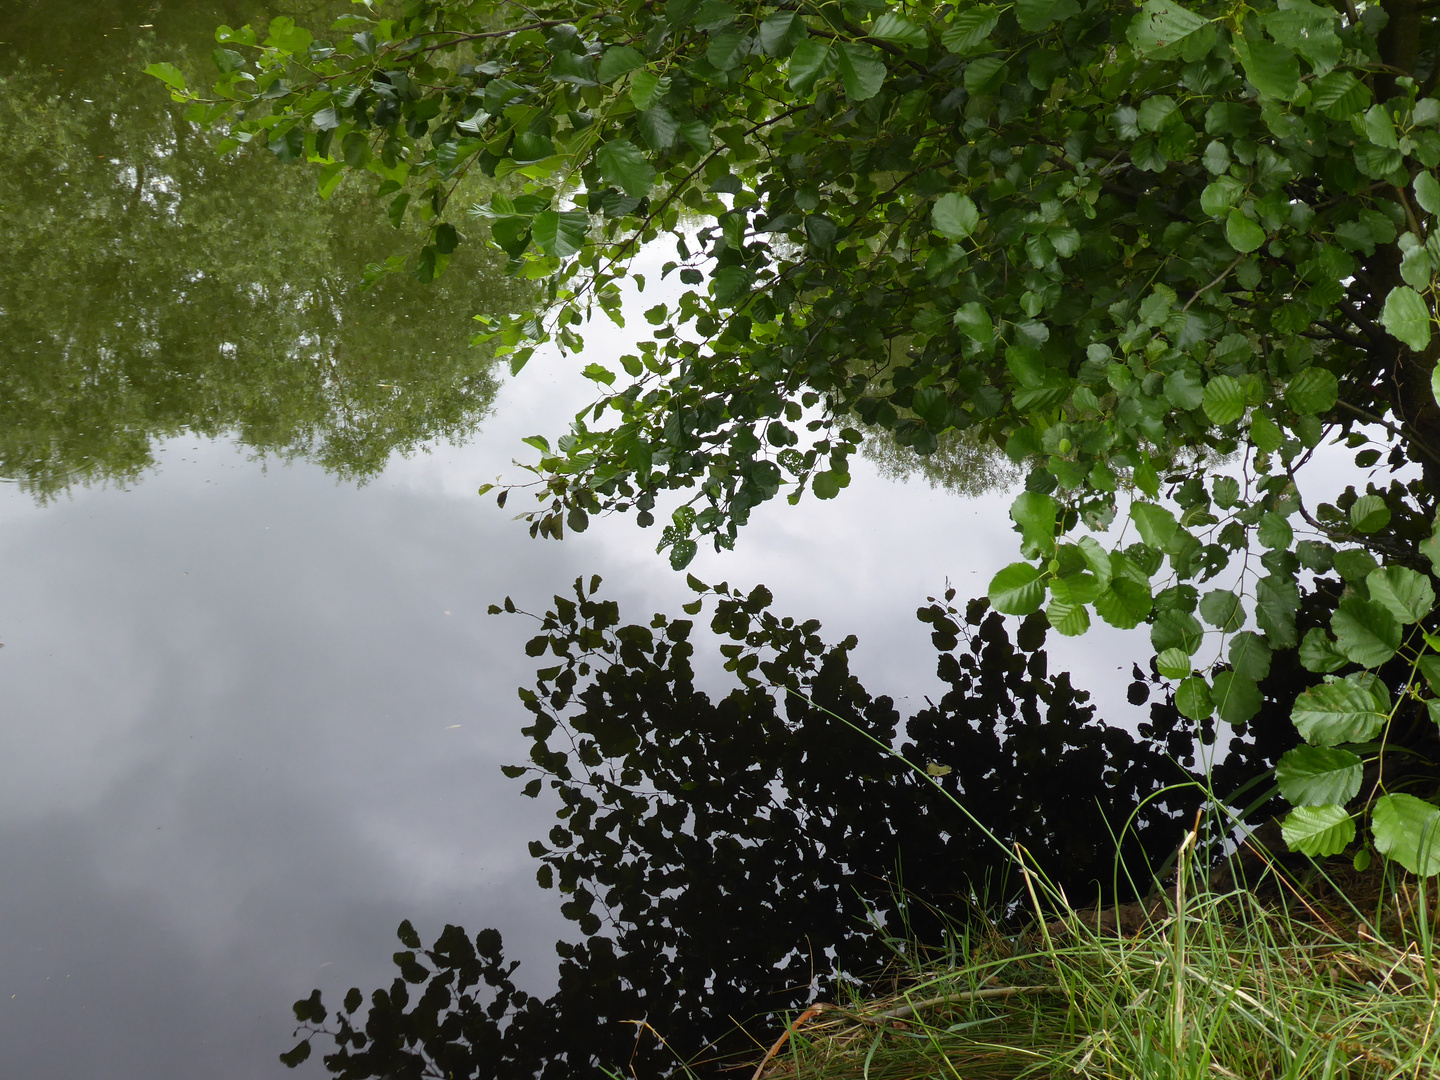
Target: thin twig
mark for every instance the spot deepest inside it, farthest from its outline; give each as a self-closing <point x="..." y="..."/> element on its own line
<point x="1218" y="279"/>
<point x="1398" y="432"/>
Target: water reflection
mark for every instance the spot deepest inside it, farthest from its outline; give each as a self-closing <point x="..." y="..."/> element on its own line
<point x="148" y="290"/>
<point x="723" y="856"/>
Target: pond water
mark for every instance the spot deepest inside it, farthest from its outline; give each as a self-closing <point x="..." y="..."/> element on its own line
<point x="254" y="713"/>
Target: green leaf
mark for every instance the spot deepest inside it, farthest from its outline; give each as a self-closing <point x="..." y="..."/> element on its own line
<point x="781" y="32"/>
<point x="356" y="149"/>
<point x="1224" y="399"/>
<point x="1265" y="434"/>
<point x="1243" y="234"/>
<point x="1369" y="514"/>
<point x="1192" y="698"/>
<point x="601" y="374"/>
<point x="616" y="61"/>
<point x="1183" y="388"/>
<point x="1097" y="559"/>
<point x="1221" y="608"/>
<point x="396" y="210"/>
<point x="446" y="238"/>
<point x="696" y="134"/>
<point x="560" y="233"/>
<point x="1072" y="620"/>
<point x="1237" y="698"/>
<point x="985" y="74"/>
<point x="167" y="73"/>
<point x="1176" y="629"/>
<point x="731" y="284"/>
<point x="569" y="67"/>
<point x="955" y="217"/>
<point x="1417" y="269"/>
<point x="1154" y="111"/>
<point x="1315" y="555"/>
<point x="645" y="88"/>
<point x="809" y="62"/>
<point x="1429" y="665"/>
<point x="1407" y="829"/>
<point x="972" y="320"/>
<point x="1226" y="490"/>
<point x="714" y="15"/>
<point x="1216" y="158"/>
<point x="1405" y="593"/>
<point x="288" y="146"/>
<point x="681" y="554"/>
<point x="826" y="485"/>
<point x="659" y="128"/>
<point x="1035" y="15"/>
<point x="1380" y="127"/>
<point x="1125" y="604"/>
<point x="1365" y="631"/>
<point x="892" y="26"/>
<point x="1220" y="195"/>
<point x="969" y="28"/>
<point x="1427" y="192"/>
<point x="1156" y="524"/>
<point x="1174" y="663"/>
<point x="1019" y="589"/>
<point x="1430" y="546"/>
<point x="1313" y="392"/>
<point x="1318" y="831"/>
<point x="1406" y="317"/>
<point x="1034" y="512"/>
<point x="285" y="35"/>
<point x="227" y="60"/>
<point x="1342" y="711"/>
<point x="1339" y="91"/>
<point x="1272" y="69"/>
<point x="622" y="164"/>
<point x="1316" y="775"/>
<point x="1161" y="24"/>
<point x="1275" y="532"/>
<point x="727" y="49"/>
<point x="1075" y="588"/>
<point x="1250" y="655"/>
<point x="1318" y="652"/>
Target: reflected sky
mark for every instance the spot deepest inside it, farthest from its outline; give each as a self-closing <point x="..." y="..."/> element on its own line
<point x="253" y="718"/>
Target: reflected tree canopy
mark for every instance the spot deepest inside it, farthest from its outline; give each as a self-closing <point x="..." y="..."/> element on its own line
<point x="961" y="463"/>
<point x="723" y="856"/>
<point x="148" y="290"/>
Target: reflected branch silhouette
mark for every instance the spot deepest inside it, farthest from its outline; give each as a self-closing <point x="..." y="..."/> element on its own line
<point x="723" y="855"/>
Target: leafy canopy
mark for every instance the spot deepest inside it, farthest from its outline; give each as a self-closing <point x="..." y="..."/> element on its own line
<point x="1156" y="254"/>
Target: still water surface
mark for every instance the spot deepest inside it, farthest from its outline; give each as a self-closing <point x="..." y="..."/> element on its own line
<point x="252" y="709"/>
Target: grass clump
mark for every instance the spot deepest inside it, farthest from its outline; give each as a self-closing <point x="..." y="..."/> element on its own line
<point x="1325" y="978"/>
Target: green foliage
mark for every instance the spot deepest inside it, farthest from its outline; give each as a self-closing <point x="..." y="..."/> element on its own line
<point x="1125" y="248"/>
<point x="1202" y="982"/>
<point x="1315" y="775"/>
<point x="1408" y="830"/>
<point x="1319" y="830"/>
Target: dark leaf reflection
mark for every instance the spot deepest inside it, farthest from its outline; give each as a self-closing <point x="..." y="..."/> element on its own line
<point x="733" y="856"/>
